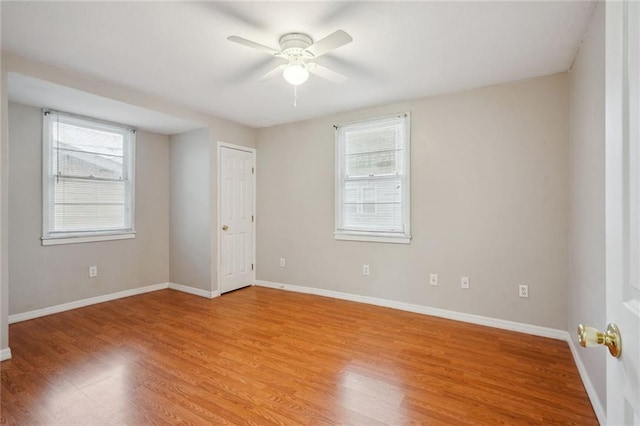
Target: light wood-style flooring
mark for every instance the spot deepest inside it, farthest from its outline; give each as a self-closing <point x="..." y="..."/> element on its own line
<point x="263" y="356"/>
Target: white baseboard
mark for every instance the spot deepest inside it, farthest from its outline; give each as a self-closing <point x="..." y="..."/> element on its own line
<point x="426" y="310"/>
<point x="586" y="381"/>
<point x="5" y="354"/>
<point x="194" y="291"/>
<point x="24" y="316"/>
<point x="84" y="302"/>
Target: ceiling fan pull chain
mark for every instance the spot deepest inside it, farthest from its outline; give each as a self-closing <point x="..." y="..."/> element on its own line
<point x="295" y="96"/>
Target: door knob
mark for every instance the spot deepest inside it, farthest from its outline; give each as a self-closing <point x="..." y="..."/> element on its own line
<point x="590" y="336"/>
<point x="225" y="227"/>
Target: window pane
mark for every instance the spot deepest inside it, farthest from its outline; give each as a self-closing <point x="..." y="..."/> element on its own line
<point x="373" y="149"/>
<point x="373" y="204"/>
<point x="369" y="198"/>
<point x="387" y="218"/>
<point x="74" y="163"/>
<point x="86" y="151"/>
<point x="361" y="140"/>
<point x="88" y="217"/>
<point x="81" y="205"/>
<point x="88" y="191"/>
<point x="84" y="136"/>
<point x="377" y="190"/>
<point x="375" y="163"/>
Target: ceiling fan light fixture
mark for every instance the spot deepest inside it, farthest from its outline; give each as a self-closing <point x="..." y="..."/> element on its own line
<point x="295" y="74"/>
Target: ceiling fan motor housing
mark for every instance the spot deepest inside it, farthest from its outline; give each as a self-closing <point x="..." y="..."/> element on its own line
<point x="295" y="44"/>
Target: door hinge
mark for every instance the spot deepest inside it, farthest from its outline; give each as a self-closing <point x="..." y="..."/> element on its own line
<point x="253" y="170"/>
<point x="252" y="266"/>
<point x="251" y="218"/>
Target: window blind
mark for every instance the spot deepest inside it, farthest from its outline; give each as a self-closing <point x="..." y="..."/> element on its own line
<point x="373" y="176"/>
<point x="89" y="173"/>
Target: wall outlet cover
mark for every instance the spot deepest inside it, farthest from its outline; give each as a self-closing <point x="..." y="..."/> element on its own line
<point x="433" y="279"/>
<point x="464" y="282"/>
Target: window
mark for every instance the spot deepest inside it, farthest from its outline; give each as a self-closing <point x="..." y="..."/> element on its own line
<point x="372" y="180"/>
<point x="88" y="179"/>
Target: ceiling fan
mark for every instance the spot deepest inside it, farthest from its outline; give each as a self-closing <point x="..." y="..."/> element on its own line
<point x="299" y="51"/>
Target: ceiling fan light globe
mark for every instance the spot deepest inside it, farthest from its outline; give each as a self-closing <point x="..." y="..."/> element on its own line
<point x="295" y="74"/>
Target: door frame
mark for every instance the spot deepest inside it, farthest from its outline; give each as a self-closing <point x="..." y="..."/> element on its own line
<point x="614" y="196"/>
<point x="620" y="166"/>
<point x="219" y="147"/>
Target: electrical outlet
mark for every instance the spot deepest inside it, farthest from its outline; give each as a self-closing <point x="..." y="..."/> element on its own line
<point x="523" y="291"/>
<point x="365" y="269"/>
<point x="464" y="282"/>
<point x="433" y="279"/>
<point x="282" y="262"/>
<point x="93" y="271"/>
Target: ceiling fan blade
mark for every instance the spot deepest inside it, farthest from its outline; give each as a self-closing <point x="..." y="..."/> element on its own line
<point x="330" y="42"/>
<point x="274" y="72"/>
<point x="253" y="45"/>
<point x="326" y="73"/>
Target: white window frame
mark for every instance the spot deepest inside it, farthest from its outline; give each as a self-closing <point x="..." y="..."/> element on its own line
<point x="373" y="236"/>
<point x="54" y="238"/>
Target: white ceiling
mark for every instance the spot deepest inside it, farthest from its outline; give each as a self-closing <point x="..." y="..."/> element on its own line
<point x="400" y="51"/>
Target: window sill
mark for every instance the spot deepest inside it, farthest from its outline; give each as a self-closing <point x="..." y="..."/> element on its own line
<point x="52" y="241"/>
<point x="375" y="238"/>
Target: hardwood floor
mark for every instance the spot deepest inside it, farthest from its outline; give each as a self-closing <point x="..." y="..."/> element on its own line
<point x="263" y="356"/>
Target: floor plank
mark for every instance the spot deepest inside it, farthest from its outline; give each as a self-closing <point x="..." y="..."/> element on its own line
<point x="264" y="356"/>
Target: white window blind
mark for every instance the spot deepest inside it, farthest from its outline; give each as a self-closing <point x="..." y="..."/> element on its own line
<point x="88" y="177"/>
<point x="372" y="179"/>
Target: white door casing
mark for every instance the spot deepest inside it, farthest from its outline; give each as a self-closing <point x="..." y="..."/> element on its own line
<point x="622" y="150"/>
<point x="236" y="217"/>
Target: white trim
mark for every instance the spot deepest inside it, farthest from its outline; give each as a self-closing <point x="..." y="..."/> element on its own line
<point x="52" y="241"/>
<point x="47" y="172"/>
<point x="218" y="207"/>
<point x="24" y="316"/>
<point x="367" y="120"/>
<point x="5" y="354"/>
<point x="193" y="290"/>
<point x="130" y="198"/>
<point x="347" y="236"/>
<point x="426" y="310"/>
<point x="586" y="381"/>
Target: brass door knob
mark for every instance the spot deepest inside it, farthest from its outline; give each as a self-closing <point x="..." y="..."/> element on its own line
<point x="225" y="227"/>
<point x="590" y="336"/>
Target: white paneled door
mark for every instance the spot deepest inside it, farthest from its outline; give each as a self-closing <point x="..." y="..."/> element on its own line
<point x="236" y="217"/>
<point x="623" y="208"/>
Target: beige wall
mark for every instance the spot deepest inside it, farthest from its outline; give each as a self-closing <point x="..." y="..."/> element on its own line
<point x="46" y="276"/>
<point x="190" y="217"/>
<point x="587" y="202"/>
<point x="489" y="200"/>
